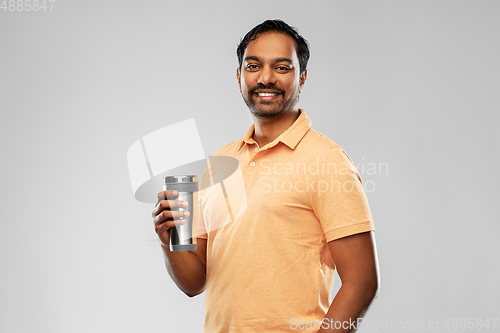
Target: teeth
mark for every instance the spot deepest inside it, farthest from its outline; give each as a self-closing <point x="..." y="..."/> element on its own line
<point x="267" y="94"/>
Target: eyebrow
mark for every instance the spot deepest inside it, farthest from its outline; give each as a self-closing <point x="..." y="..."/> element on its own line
<point x="275" y="60"/>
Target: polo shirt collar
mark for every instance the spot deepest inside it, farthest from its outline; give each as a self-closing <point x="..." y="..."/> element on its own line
<point x="291" y="137"/>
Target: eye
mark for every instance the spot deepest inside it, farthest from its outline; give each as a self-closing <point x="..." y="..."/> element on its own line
<point x="282" y="69"/>
<point x="252" y="67"/>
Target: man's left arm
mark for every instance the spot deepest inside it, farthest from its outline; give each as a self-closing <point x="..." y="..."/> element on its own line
<point x="355" y="257"/>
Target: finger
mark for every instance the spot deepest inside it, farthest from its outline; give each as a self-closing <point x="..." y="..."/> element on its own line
<point x="168" y="215"/>
<point x="161" y="196"/>
<point x="162" y="217"/>
<point x="168" y="205"/>
<point x="166" y="194"/>
<point x="164" y="227"/>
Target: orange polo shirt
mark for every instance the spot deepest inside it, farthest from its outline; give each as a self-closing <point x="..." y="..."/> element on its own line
<point x="269" y="266"/>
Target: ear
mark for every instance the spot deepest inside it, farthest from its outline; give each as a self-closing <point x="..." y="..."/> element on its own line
<point x="238" y="77"/>
<point x="303" y="78"/>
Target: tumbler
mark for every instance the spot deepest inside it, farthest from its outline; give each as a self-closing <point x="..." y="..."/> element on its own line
<point x="182" y="235"/>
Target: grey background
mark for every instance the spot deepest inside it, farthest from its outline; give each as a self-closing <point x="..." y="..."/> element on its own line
<point x="410" y="84"/>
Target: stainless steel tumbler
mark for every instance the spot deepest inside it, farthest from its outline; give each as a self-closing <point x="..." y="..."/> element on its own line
<point x="182" y="235"/>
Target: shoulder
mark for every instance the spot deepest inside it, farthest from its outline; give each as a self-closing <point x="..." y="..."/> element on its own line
<point x="322" y="146"/>
<point x="222" y="162"/>
<point x="230" y="149"/>
<point x="316" y="141"/>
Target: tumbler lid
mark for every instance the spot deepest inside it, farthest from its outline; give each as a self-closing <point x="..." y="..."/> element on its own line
<point x="181" y="179"/>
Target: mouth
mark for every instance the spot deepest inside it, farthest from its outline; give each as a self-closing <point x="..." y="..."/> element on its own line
<point x="267" y="95"/>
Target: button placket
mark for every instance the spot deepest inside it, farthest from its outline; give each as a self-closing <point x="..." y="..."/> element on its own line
<point x="256" y="150"/>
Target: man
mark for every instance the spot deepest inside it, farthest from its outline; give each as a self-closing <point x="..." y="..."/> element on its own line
<point x="271" y="269"/>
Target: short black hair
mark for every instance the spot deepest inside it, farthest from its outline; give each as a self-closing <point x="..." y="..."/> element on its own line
<point x="281" y="27"/>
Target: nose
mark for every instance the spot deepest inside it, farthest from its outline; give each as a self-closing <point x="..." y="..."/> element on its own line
<point x="267" y="76"/>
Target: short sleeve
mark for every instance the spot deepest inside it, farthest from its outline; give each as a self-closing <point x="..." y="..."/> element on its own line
<point x="199" y="228"/>
<point x="339" y="201"/>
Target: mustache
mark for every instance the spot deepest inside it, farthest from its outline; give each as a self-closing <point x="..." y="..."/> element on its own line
<point x="261" y="86"/>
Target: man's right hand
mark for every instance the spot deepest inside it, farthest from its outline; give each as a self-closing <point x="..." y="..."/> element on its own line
<point x="187" y="268"/>
<point x="163" y="215"/>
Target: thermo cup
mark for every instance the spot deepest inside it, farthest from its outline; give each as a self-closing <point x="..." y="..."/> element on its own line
<point x="182" y="235"/>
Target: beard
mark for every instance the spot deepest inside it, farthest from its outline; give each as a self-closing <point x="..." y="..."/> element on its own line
<point x="269" y="110"/>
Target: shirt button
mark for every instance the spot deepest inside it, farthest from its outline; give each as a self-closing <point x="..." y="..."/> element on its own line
<point x="252" y="163"/>
<point x="256" y="149"/>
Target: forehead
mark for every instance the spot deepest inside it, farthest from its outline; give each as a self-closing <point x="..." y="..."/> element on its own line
<point x="272" y="45"/>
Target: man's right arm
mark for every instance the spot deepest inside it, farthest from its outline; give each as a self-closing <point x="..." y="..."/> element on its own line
<point x="186" y="268"/>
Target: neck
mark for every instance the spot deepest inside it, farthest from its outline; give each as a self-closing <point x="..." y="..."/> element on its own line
<point x="267" y="130"/>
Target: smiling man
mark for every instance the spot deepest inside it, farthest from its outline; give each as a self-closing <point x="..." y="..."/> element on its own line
<point x="271" y="269"/>
<point x="264" y="64"/>
<point x="270" y="82"/>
